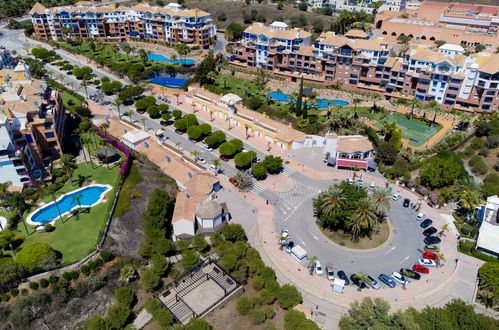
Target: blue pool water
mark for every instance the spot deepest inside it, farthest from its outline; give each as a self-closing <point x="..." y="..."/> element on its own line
<point x="168" y="82"/>
<point x="88" y="196"/>
<point x="321" y="103"/>
<point x="157" y="57"/>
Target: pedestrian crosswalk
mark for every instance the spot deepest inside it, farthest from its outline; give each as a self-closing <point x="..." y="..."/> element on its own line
<point x="258" y="188"/>
<point x="296" y="196"/>
<point x="288" y="171"/>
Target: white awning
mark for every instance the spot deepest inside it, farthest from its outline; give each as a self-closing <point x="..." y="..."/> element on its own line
<point x="488" y="237"/>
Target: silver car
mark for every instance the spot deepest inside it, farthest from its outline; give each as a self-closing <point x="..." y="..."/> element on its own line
<point x="372" y="282"/>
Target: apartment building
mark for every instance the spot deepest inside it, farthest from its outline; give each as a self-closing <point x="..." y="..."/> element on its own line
<point x="170" y="24"/>
<point x="35" y="119"/>
<point x="455" y="23"/>
<point x="6" y="61"/>
<point x="443" y="74"/>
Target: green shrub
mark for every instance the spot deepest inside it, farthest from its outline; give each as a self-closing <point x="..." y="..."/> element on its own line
<point x="466" y="229"/>
<point x="484" y="151"/>
<point x="106" y="256"/>
<point x="267" y="298"/>
<point x="6" y="297"/>
<point x="53" y="279"/>
<point x="24" y="292"/>
<point x="85" y="270"/>
<point x="160" y="314"/>
<point x="66" y="276"/>
<point x="44" y="283"/>
<point x="258" y="283"/>
<point x="244" y="305"/>
<point x="149" y="279"/>
<point x="466" y="246"/>
<point x="288" y="296"/>
<point x="14" y="292"/>
<point x="34" y="286"/>
<point x="124" y="296"/>
<point x="36" y="257"/>
<point x="257" y="316"/>
<point x="48" y="227"/>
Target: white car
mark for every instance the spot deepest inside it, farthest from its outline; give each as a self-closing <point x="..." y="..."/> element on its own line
<point x="318" y="268"/>
<point x="420" y="216"/>
<point x="284" y="235"/>
<point x="396" y="197"/>
<point x="427" y="262"/>
<point x="360" y="183"/>
<point x="200" y="160"/>
<point x="244" y="150"/>
<point x="372" y="282"/>
<point x="350" y="180"/>
<point x="400" y="278"/>
<point x="207" y="147"/>
<point x="372" y="186"/>
<point x="330" y="273"/>
<point x="215" y="169"/>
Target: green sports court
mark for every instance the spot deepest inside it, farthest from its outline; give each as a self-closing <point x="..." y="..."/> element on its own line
<point x="416" y="131"/>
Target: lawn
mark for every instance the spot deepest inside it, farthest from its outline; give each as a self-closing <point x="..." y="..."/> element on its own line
<point x="125" y="200"/>
<point x="79" y="234"/>
<point x="364" y="243"/>
<point x="69" y="98"/>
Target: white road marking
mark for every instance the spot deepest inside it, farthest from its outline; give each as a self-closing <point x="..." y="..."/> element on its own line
<point x="404" y="260"/>
<point x="393" y="248"/>
<point x="317" y="238"/>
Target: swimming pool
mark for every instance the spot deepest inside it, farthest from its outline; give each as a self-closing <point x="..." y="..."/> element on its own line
<point x="157" y="57"/>
<point x="89" y="196"/>
<point x="168" y="82"/>
<point x="321" y="103"/>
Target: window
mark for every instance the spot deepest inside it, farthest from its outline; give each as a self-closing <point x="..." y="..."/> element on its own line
<point x="29" y="138"/>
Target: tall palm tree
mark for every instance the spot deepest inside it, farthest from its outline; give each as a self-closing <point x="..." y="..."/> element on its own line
<point x="85" y="140"/>
<point x="77" y="199"/>
<point x="364" y="218"/>
<point x="212" y="76"/>
<point x="356" y="101"/>
<point x="216" y="162"/>
<point x="60" y="77"/>
<point x="52" y="189"/>
<point x="117" y="103"/>
<point x="84" y="84"/>
<point x="116" y="50"/>
<point x="228" y="119"/>
<point x="195" y="153"/>
<point x="246" y="129"/>
<point x="143" y="121"/>
<point x="104" y="127"/>
<point x="71" y="85"/>
<point x="17" y="202"/>
<point x="330" y="200"/>
<point x="68" y="164"/>
<point x="414" y="103"/>
<point x="211" y="114"/>
<point x="176" y="95"/>
<point x="381" y="201"/>
<point x="129" y="114"/>
<point x="127" y="49"/>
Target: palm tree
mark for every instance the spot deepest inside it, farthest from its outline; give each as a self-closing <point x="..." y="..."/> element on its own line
<point x="77" y="199"/>
<point x="228" y="119"/>
<point x="143" y="56"/>
<point x="177" y="145"/>
<point x="487" y="297"/>
<point x="117" y="103"/>
<point x="375" y="97"/>
<point x="71" y="85"/>
<point x="331" y="200"/>
<point x="52" y="189"/>
<point x="246" y="128"/>
<point x="7" y="238"/>
<point x="381" y="201"/>
<point x="469" y="199"/>
<point x="212" y="76"/>
<point x="195" y="154"/>
<point x="414" y="103"/>
<point x="143" y="121"/>
<point x="85" y="140"/>
<point x="127" y="49"/>
<point x="211" y="115"/>
<point x="310" y="263"/>
<point x="4" y="186"/>
<point x="17" y="202"/>
<point x="104" y="127"/>
<point x="129" y="114"/>
<point x="116" y="50"/>
<point x="60" y="77"/>
<point x="176" y="95"/>
<point x="68" y="164"/>
<point x="356" y="101"/>
<point x="216" y="162"/>
<point x="84" y="84"/>
<point x="364" y="218"/>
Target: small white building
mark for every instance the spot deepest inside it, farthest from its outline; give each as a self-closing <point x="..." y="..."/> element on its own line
<point x="488" y="236"/>
<point x="451" y="50"/>
<point x="134" y="139"/>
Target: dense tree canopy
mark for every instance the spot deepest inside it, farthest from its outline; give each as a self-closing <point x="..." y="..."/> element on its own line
<point x="442" y="170"/>
<point x="36" y="257"/>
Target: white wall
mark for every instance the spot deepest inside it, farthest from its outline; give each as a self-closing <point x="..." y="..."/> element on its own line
<point x="183" y="227"/>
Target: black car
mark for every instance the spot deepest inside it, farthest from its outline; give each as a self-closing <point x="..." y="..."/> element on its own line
<point x="430" y="231"/>
<point x="431" y="240"/>
<point x="179" y="132"/>
<point x="163" y="123"/>
<point x="406" y="202"/>
<point x="343" y="276"/>
<point x="358" y="282"/>
<point x="426" y="223"/>
<point x="410" y="273"/>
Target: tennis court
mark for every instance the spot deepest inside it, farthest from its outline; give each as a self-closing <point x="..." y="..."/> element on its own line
<point x="416" y="131"/>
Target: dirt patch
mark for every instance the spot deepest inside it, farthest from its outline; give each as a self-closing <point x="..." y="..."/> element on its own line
<point x="125" y="233"/>
<point x="227" y="317"/>
<point x="345" y="239"/>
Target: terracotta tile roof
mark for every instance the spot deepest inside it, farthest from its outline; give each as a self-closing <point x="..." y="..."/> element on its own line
<point x="305" y="50"/>
<point x="291" y="34"/>
<point x="38" y="8"/>
<point x="330" y="39"/>
<point x="436" y="57"/>
<point x="491" y="65"/>
<point x="355" y="33"/>
<point x="352" y="144"/>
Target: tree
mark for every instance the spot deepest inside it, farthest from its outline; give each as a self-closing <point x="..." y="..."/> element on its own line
<point x="364" y="219"/>
<point x="288" y="296"/>
<point x="117" y="103"/>
<point x="52" y="189"/>
<point x="189" y="259"/>
<point x="68" y="164"/>
<point x="36" y="257"/>
<point x="194" y="132"/>
<point x="330" y="201"/>
<point x="387" y="153"/>
<point x="199" y="243"/>
<point x="367" y="314"/>
<point x="207" y="65"/>
<point x="442" y="170"/>
<point x="273" y="164"/>
<point x="244" y="182"/>
<point x="233" y="232"/>
<point x="244" y="159"/>
<point x="227" y="149"/>
<point x="480" y="48"/>
<point x="259" y="171"/>
<point x="490" y="185"/>
<point x="177" y="114"/>
<point x="180" y="124"/>
<point x="244" y="305"/>
<point x="303" y="6"/>
<point x="205" y="129"/>
<point x="149" y="279"/>
<point x="16" y="201"/>
<point x="124" y="296"/>
<point x="128" y="273"/>
<point x="10" y="271"/>
<point x="234" y="31"/>
<point x="318" y="25"/>
<point x="118" y="316"/>
<point x="295" y="320"/>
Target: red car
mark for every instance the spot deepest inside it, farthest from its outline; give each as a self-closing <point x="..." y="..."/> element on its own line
<point x="420" y="269"/>
<point x="225" y="159"/>
<point x="233" y="181"/>
<point x="430" y="255"/>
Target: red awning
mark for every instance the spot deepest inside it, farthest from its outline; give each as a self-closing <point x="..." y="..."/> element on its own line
<point x="344" y="162"/>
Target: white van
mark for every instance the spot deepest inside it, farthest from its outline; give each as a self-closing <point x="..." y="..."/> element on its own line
<point x="299" y="253"/>
<point x="420" y="216"/>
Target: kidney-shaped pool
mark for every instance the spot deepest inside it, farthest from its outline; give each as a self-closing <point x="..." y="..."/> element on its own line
<point x="88" y="196"/>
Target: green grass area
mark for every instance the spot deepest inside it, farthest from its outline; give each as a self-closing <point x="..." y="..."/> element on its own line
<point x="416" y="131"/>
<point x="125" y="200"/>
<point x="78" y="235"/>
<point x="66" y="94"/>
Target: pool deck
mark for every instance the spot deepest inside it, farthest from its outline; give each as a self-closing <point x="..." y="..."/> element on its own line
<point x="100" y="200"/>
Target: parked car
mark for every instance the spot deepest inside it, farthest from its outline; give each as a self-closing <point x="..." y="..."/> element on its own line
<point x="163" y="123"/>
<point x="372" y="186"/>
<point x="318" y="268"/>
<point x="420" y="269"/>
<point x="427" y="262"/>
<point x="430" y="255"/>
<point x="372" y="282"/>
<point x="431" y="240"/>
<point x="430" y="231"/>
<point x="215" y="169"/>
<point x="420" y="216"/>
<point x="360" y="183"/>
<point x="406" y="202"/>
<point x="225" y="159"/>
<point x="289" y="246"/>
<point x="179" y="132"/>
<point x="410" y="273"/>
<point x="258" y="160"/>
<point x="330" y="272"/>
<point x="207" y="147"/>
<point x="400" y="278"/>
<point x="233" y="181"/>
<point x="396" y="197"/>
<point x="426" y="223"/>
<point x="350" y="180"/>
<point x="432" y="248"/>
<point x="285" y="235"/>
<point x="249" y="173"/>
<point x="200" y="160"/>
<point x="388" y="280"/>
<point x="357" y="281"/>
<point x="344" y="277"/>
